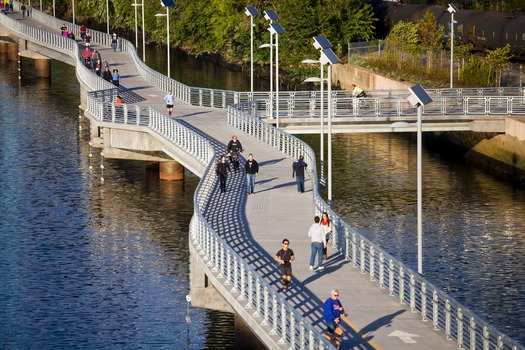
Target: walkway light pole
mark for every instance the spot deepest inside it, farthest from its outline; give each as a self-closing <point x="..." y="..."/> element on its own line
<point x="251" y="12"/>
<point x="320" y="43"/>
<point x="271" y="16"/>
<point x="53" y="8"/>
<point x="167" y="15"/>
<point x="135" y="5"/>
<point x="107" y="15"/>
<point x="419" y="98"/>
<point x="72" y="7"/>
<point x="452" y="9"/>
<point x="276" y="29"/>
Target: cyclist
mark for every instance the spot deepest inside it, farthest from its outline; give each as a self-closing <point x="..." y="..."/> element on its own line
<point x="358" y="92"/>
<point x="234" y="148"/>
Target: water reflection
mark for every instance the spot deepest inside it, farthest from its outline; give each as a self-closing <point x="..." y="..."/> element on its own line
<point x="474" y="237"/>
<point x="87" y="264"/>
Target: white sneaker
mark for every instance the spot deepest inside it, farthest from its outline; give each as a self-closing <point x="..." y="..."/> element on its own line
<point x="320" y="268"/>
<point x="311" y="267"/>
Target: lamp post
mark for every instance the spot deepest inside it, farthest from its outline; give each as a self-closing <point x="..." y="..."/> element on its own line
<point x="53" y="8"/>
<point x="135" y="5"/>
<point x="419" y="98"/>
<point x="167" y="15"/>
<point x="107" y="15"/>
<point x="452" y="9"/>
<point x="73" y="8"/>
<point x="276" y="29"/>
<point x="321" y="112"/>
<point x="252" y="12"/>
<point x="320" y="43"/>
<point x="271" y="16"/>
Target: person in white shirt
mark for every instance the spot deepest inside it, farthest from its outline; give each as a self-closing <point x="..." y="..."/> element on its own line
<point x="318" y="239"/>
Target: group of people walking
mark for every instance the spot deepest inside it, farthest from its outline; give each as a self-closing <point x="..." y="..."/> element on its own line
<point x="251" y="167"/>
<point x="319" y="234"/>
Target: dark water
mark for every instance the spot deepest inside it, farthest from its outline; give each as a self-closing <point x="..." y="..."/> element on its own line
<point x="473" y="223"/>
<point x="86" y="264"/>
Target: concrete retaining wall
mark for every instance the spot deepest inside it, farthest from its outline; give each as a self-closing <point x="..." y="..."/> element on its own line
<point x="344" y="75"/>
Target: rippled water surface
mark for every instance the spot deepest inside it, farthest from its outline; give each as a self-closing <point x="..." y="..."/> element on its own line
<point x="86" y="264"/>
<point x="473" y="223"/>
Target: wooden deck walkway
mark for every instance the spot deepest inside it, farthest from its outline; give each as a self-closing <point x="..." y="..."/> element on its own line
<point x="256" y="224"/>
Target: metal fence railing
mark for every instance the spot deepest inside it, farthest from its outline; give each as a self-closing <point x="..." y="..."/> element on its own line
<point x="283" y="321"/>
<point x="440" y="310"/>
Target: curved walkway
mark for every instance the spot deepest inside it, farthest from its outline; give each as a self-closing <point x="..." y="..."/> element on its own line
<point x="255" y="226"/>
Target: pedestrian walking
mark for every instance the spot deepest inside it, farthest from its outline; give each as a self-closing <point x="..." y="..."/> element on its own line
<point x="114" y="41"/>
<point x="327" y="226"/>
<point x="105" y="63"/>
<point x="234" y="148"/>
<point x="318" y="242"/>
<point x="285" y="256"/>
<point x="223" y="168"/>
<point x="83" y="31"/>
<point x="115" y="77"/>
<point x="332" y="311"/>
<point x="23" y="9"/>
<point x="169" y="102"/>
<point x="87" y="39"/>
<point x="252" y="168"/>
<point x="107" y="74"/>
<point x="298" y="168"/>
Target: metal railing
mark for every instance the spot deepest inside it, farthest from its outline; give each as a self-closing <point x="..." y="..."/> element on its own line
<point x="277" y="315"/>
<point x="442" y="311"/>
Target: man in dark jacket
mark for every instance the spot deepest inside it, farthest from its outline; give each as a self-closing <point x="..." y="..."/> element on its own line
<point x="222" y="171"/>
<point x="298" y="170"/>
<point x="234" y="148"/>
<point x="252" y="168"/>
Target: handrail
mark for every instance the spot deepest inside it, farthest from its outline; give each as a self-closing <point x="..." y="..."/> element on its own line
<point x="282" y="319"/>
<point x="444" y="312"/>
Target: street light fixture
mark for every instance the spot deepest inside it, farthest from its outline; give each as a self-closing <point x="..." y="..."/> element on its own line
<point x="252" y="12"/>
<point x="276" y="29"/>
<point x="107" y="15"/>
<point x="320" y="43"/>
<point x="271" y="16"/>
<point x="135" y="5"/>
<point x="452" y="9"/>
<point x="72" y="7"/>
<point x="419" y="98"/>
<point x="329" y="58"/>
<point x="167" y="15"/>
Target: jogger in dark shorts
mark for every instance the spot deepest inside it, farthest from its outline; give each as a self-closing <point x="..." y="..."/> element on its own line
<point x="285" y="256"/>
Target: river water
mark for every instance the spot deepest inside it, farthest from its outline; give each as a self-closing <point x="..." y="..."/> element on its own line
<point x="87" y="263"/>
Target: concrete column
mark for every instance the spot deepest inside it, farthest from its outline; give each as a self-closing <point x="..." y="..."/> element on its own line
<point x="43" y="67"/>
<point x="244" y="337"/>
<point x="171" y="171"/>
<point x="203" y="293"/>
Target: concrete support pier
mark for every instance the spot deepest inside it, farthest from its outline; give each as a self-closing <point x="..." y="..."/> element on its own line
<point x="42" y="63"/>
<point x="171" y="171"/>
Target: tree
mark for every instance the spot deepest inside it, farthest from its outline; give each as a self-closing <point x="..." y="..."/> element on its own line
<point x="403" y="38"/>
<point x="431" y="35"/>
<point x="496" y="61"/>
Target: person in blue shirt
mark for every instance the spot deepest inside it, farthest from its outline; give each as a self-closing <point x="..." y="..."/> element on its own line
<point x="169" y="102"/>
<point x="333" y="309"/>
<point x="115" y="77"/>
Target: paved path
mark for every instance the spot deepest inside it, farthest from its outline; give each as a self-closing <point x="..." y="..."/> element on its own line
<point x="256" y="224"/>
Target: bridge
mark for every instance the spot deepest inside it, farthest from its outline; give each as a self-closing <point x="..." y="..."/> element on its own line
<point x="233" y="237"/>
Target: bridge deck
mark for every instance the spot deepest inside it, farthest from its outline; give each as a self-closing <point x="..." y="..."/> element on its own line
<point x="256" y="224"/>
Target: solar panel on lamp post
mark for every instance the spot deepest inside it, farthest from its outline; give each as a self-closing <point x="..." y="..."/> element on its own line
<point x="252" y="12"/>
<point x="271" y="16"/>
<point x="320" y="42"/>
<point x="419" y="98"/>
<point x="329" y="58"/>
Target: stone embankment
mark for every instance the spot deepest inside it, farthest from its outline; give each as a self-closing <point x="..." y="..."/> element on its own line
<point x="502" y="154"/>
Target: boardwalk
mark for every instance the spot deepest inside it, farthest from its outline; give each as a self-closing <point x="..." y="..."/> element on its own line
<point x="256" y="224"/>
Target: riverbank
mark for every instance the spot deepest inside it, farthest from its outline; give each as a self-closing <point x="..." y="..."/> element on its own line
<point x="500" y="154"/>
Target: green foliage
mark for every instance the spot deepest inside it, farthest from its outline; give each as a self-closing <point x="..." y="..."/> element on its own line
<point x="403" y="39"/>
<point x="431" y="35"/>
<point x="495" y="61"/>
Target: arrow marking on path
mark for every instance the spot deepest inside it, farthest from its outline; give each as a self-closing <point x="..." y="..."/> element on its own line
<point x="404" y="337"/>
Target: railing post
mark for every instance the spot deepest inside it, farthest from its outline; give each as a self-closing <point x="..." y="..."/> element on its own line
<point x="412" y="293"/>
<point x="423" y="301"/>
